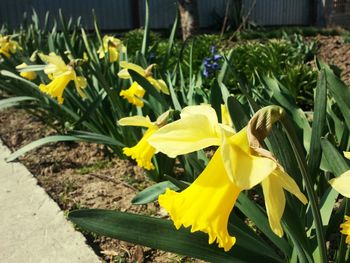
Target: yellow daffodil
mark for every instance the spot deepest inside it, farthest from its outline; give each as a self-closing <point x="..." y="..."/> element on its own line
<point x="342" y="183"/>
<point x="345" y="229"/>
<point x="30" y="75"/>
<point x="113" y="46"/>
<point x="60" y="74"/>
<point x="136" y="92"/>
<point x="8" y="46"/>
<point x="143" y="152"/>
<point x="240" y="163"/>
<point x="206" y="204"/>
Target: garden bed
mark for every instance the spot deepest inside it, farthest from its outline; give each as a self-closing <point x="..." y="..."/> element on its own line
<point x="81" y="175"/>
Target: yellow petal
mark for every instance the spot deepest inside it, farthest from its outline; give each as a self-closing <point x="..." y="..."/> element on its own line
<point x="345" y="229"/>
<point x="347" y="155"/>
<point x="225" y="116"/>
<point x="275" y="202"/>
<point x="30" y="75"/>
<point x="159" y="84"/>
<point x="124" y="74"/>
<point x="243" y="168"/>
<point x="134" y="94"/>
<point x="203" y="109"/>
<point x="53" y="59"/>
<point x="342" y="184"/>
<point x="186" y="135"/>
<point x="113" y="54"/>
<point x="206" y="204"/>
<point x="139" y="121"/>
<point x="56" y="87"/>
<point x="134" y="67"/>
<point x="142" y="152"/>
<point x="289" y="184"/>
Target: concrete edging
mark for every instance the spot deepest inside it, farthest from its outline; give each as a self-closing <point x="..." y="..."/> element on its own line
<point x="32" y="226"/>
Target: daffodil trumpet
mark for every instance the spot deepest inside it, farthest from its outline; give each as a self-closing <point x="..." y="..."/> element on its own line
<point x="135" y="93"/>
<point x="60" y="75"/>
<point x="143" y="152"/>
<point x="239" y="163"/>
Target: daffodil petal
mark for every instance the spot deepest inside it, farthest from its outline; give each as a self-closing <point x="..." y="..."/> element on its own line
<point x="347" y="155"/>
<point x="290" y="185"/>
<point x="203" y="109"/>
<point x="243" y="168"/>
<point x="140" y="121"/>
<point x="342" y="184"/>
<point x="159" y="84"/>
<point x="275" y="202"/>
<point x="132" y="66"/>
<point x="225" y="116"/>
<point x="186" y="135"/>
<point x="124" y="74"/>
<point x="54" y="59"/>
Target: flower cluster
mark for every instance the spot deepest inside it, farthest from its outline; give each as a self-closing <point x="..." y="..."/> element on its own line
<point x="113" y="46"/>
<point x="211" y="64"/>
<point x="60" y="75"/>
<point x="8" y="46"/>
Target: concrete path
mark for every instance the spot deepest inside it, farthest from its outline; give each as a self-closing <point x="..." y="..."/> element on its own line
<point x="32" y="226"/>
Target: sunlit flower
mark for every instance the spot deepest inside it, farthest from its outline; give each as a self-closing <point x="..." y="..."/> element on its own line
<point x="206" y="204"/>
<point x="136" y="92"/>
<point x="60" y="75"/>
<point x="240" y="163"/>
<point x="30" y="75"/>
<point x="342" y="183"/>
<point x="345" y="229"/>
<point x="113" y="46"/>
<point x="8" y="46"/>
<point x="143" y="152"/>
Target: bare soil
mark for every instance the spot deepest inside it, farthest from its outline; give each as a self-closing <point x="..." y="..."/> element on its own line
<point x="80" y="175"/>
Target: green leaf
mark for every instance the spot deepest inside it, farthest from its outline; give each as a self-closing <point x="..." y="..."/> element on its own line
<point x="32" y="68"/>
<point x="335" y="160"/>
<point x="237" y="113"/>
<point x="14" y="76"/>
<point x="161" y="234"/>
<point x="79" y="136"/>
<point x="11" y="102"/>
<point x="341" y="94"/>
<point x="145" y="39"/>
<point x="251" y="210"/>
<point x="151" y="193"/>
<point x="318" y="125"/>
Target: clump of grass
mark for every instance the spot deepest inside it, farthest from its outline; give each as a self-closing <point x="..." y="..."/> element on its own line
<point x="95" y="167"/>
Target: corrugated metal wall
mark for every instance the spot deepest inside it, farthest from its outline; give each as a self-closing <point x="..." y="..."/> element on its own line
<point x="119" y="15"/>
<point x="112" y="14"/>
<point x="279" y="12"/>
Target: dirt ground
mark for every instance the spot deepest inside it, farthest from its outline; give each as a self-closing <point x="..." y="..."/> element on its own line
<point x="80" y="175"/>
<point x="335" y="51"/>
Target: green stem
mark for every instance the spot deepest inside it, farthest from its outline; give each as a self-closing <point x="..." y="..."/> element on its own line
<point x="343" y="245"/>
<point x="309" y="189"/>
